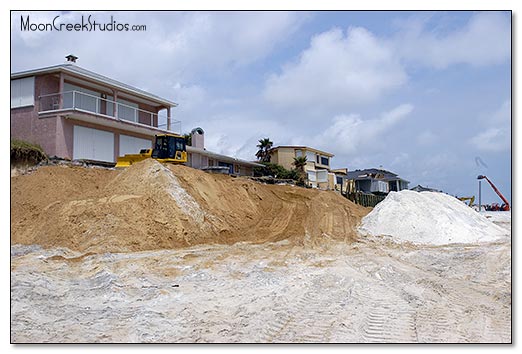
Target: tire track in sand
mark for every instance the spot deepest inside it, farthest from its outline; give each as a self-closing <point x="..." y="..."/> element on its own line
<point x="310" y="318"/>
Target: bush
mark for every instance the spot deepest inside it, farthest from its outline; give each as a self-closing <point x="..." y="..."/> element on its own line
<point x="24" y="153"/>
<point x="276" y="171"/>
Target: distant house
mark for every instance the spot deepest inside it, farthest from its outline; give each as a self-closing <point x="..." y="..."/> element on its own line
<point x="341" y="181"/>
<point x="317" y="167"/>
<point x="201" y="158"/>
<point x="419" y="188"/>
<point x="376" y="181"/>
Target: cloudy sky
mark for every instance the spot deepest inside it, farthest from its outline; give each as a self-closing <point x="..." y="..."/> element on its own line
<point x="426" y="95"/>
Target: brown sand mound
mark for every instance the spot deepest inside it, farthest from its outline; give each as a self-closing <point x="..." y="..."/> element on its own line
<point x="151" y="206"/>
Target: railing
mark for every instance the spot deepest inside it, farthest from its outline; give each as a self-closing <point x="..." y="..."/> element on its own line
<point x="102" y="106"/>
<point x="367" y="200"/>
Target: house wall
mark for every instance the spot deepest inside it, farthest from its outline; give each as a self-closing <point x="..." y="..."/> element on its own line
<point x="310" y="165"/>
<point x="284" y="157"/>
<point x="331" y="181"/>
<point x="199" y="161"/>
<point x="274" y="156"/>
<point x="25" y="123"/>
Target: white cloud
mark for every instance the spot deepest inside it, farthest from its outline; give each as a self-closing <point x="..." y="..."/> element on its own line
<point x="232" y="135"/>
<point x="484" y="40"/>
<point x="496" y="135"/>
<point x="184" y="45"/>
<point x="337" y="70"/>
<point x="350" y="134"/>
<point x="426" y="138"/>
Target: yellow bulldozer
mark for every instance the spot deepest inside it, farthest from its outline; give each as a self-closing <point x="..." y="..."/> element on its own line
<point x="167" y="148"/>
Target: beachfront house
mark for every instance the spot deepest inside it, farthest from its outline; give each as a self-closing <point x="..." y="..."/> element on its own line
<point x="317" y="163"/>
<point x="74" y="113"/>
<point x="376" y="181"/>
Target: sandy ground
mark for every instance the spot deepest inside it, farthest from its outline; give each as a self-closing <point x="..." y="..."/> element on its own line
<point x="371" y="291"/>
<point x="149" y="206"/>
<point x="126" y="257"/>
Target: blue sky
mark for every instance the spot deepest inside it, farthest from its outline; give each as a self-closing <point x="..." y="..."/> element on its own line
<point x="422" y="94"/>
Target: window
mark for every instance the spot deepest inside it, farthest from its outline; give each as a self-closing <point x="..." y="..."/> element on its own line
<point x="180" y="144"/>
<point x="229" y="165"/>
<point x="298" y="153"/>
<point x="22" y="92"/>
<point x="321" y="176"/>
<point x="324" y="160"/>
<point x="310" y="156"/>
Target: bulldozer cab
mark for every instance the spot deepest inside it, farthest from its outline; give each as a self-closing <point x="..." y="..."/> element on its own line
<point x="169" y="147"/>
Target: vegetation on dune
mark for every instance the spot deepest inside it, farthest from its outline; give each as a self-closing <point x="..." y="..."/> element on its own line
<point x="25" y="153"/>
<point x="276" y="171"/>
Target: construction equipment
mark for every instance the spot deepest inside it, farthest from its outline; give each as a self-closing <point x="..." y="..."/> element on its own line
<point x="167" y="148"/>
<point x="471" y="200"/>
<point x="506" y="206"/>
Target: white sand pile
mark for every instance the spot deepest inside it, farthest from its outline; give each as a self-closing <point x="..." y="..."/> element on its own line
<point x="429" y="218"/>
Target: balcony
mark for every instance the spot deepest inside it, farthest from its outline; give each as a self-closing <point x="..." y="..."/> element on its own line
<point x="86" y="103"/>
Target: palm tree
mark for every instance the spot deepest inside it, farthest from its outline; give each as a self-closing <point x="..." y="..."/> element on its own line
<point x="263" y="154"/>
<point x="300" y="163"/>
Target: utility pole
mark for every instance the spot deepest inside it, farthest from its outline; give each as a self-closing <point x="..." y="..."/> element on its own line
<point x="480" y="194"/>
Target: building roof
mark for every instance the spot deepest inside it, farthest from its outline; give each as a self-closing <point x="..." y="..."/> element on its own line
<point x="343" y="171"/>
<point x="223" y="158"/>
<point x="373" y="173"/>
<point x="75" y="70"/>
<point x="420" y="188"/>
<point x="303" y="148"/>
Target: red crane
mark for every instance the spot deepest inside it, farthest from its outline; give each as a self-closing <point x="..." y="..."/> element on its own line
<point x="507" y="208"/>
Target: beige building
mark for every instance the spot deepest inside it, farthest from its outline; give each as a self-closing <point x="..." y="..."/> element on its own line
<point x="317" y="167"/>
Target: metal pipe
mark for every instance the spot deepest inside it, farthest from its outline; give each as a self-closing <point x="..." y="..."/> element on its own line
<point x="480" y="195"/>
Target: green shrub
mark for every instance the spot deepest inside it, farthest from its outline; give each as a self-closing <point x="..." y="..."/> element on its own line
<point x="276" y="171"/>
<point x="24" y="153"/>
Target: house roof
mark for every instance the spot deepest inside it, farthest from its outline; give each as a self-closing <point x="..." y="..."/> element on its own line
<point x="420" y="188"/>
<point x="371" y="173"/>
<point x="303" y="148"/>
<point x="78" y="71"/>
<point x="343" y="171"/>
<point x="223" y="158"/>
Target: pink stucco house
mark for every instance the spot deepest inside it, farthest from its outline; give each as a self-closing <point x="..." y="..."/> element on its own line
<point x="74" y="113"/>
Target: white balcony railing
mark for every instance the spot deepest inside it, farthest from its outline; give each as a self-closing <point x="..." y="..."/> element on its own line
<point x="82" y="101"/>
